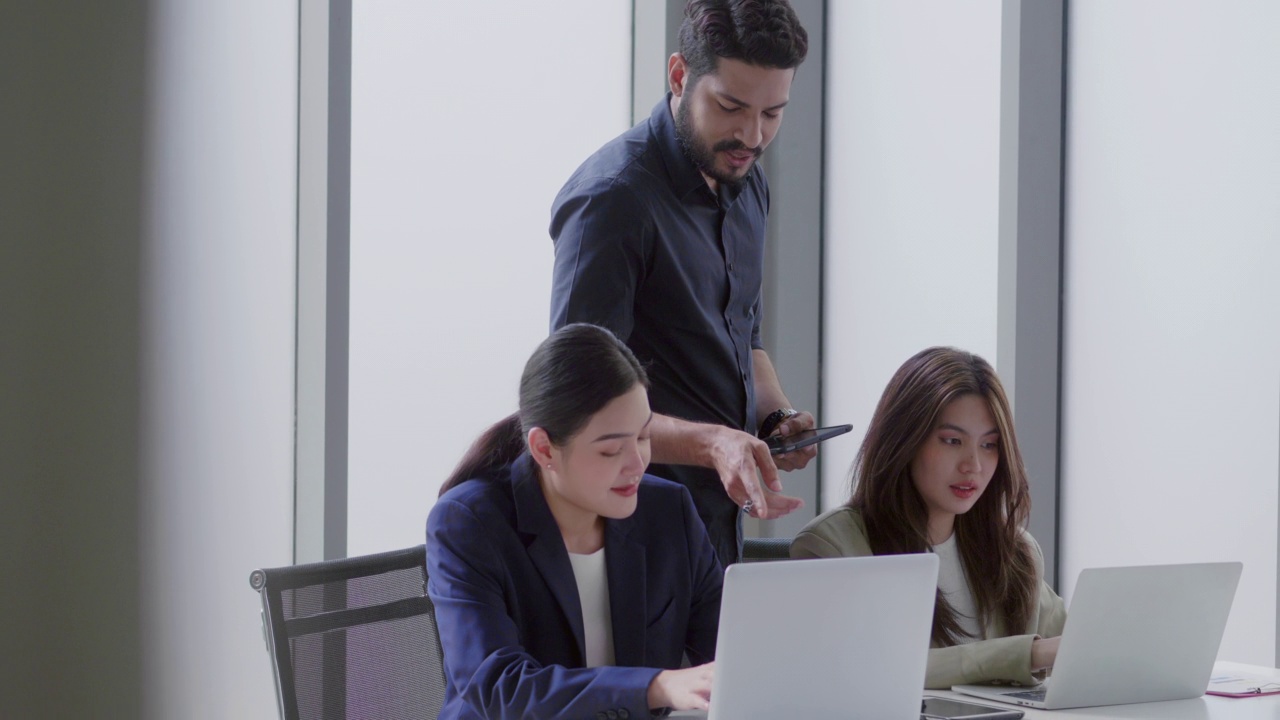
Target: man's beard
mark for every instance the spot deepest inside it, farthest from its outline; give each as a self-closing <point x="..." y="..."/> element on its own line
<point x="705" y="157"/>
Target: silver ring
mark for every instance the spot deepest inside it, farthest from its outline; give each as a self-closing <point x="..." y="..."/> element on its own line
<point x="748" y="506"/>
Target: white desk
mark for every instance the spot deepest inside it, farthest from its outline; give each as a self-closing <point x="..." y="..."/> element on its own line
<point x="1209" y="707"/>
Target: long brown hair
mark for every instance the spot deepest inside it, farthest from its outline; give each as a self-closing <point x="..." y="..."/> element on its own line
<point x="996" y="559"/>
<point x="574" y="373"/>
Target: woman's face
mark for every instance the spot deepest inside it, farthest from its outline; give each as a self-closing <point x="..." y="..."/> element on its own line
<point x="598" y="471"/>
<point x="956" y="462"/>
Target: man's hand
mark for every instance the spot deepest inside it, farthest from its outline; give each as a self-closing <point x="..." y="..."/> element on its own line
<point x="746" y="468"/>
<point x="797" y="459"/>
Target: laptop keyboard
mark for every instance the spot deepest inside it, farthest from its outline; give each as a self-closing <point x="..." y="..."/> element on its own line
<point x="1035" y="695"/>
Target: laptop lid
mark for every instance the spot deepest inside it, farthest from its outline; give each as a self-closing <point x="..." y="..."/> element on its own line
<point x="838" y="637"/>
<point x="1138" y="634"/>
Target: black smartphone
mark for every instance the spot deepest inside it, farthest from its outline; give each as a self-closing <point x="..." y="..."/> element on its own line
<point x="779" y="444"/>
<point x="936" y="708"/>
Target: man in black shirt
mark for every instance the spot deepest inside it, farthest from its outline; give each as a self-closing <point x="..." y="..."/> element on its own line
<point x="659" y="236"/>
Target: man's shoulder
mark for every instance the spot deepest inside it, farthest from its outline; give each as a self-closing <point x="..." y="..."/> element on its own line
<point x="629" y="163"/>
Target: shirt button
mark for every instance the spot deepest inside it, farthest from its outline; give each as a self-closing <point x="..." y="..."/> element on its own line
<point x="623" y="714"/>
<point x="730" y="267"/>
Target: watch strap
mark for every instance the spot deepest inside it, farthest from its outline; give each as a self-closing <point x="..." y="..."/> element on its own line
<point x="773" y="420"/>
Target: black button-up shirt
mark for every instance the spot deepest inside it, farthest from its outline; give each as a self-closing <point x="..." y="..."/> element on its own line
<point x="646" y="249"/>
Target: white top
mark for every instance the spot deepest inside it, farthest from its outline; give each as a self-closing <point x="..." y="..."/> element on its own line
<point x="593" y="594"/>
<point x="955" y="588"/>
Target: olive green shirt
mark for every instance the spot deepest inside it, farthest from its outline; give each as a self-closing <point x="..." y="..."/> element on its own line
<point x="1003" y="657"/>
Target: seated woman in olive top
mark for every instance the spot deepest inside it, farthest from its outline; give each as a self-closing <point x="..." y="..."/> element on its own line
<point x="940" y="471"/>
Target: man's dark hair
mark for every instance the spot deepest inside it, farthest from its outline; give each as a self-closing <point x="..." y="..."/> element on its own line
<point x="765" y="33"/>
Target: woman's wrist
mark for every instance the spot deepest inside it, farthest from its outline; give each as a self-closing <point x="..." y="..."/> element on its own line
<point x="657" y="694"/>
<point x="1043" y="653"/>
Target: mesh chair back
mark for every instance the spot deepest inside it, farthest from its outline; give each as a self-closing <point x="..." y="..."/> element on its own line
<point x="763" y="549"/>
<point x="353" y="638"/>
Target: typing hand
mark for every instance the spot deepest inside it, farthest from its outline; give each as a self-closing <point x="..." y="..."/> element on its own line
<point x="687" y="689"/>
<point x="797" y="459"/>
<point x="1044" y="651"/>
<point x="746" y="468"/>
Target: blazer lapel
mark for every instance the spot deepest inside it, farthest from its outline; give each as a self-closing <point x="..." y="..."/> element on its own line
<point x="627" y="592"/>
<point x="546" y="546"/>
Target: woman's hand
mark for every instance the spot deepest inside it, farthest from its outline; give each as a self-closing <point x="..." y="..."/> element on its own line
<point x="687" y="689"/>
<point x="1043" y="652"/>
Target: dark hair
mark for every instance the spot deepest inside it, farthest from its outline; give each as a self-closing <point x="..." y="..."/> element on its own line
<point x="766" y="33"/>
<point x="571" y="376"/>
<point x="995" y="558"/>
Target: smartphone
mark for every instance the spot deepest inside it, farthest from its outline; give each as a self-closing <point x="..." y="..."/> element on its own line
<point x="779" y="444"/>
<point x="936" y="708"/>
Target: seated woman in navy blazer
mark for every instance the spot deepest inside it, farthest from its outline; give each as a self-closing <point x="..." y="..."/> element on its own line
<point x="567" y="583"/>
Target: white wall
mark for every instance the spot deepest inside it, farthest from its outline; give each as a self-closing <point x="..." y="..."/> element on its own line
<point x="466" y="120"/>
<point x="912" y="191"/>
<point x="1171" y="387"/>
<point x="218" y="339"/>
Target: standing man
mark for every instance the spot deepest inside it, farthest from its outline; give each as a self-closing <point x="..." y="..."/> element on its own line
<point x="659" y="236"/>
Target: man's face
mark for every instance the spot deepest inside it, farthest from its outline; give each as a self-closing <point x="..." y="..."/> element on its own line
<point x="728" y="117"/>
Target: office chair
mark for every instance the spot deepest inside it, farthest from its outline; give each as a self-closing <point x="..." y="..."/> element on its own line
<point x="765" y="549"/>
<point x="353" y="638"/>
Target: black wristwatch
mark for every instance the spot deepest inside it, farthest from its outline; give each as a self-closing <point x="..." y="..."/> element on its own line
<point x="773" y="420"/>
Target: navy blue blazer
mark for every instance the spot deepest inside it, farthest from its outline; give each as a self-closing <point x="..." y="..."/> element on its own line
<point x="507" y="602"/>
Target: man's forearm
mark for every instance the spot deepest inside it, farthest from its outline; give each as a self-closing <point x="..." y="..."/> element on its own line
<point x="740" y="459"/>
<point x="681" y="442"/>
<point x="769" y="395"/>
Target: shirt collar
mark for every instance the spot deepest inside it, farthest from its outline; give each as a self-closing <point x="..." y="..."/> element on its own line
<point x="685" y="176"/>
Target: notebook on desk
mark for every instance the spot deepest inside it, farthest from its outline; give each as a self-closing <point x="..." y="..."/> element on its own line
<point x="842" y="637"/>
<point x="1134" y="634"/>
<point x="1243" y="685"/>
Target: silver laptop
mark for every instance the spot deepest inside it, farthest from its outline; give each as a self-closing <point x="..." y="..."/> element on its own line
<point x="1134" y="634"/>
<point x="824" y="638"/>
